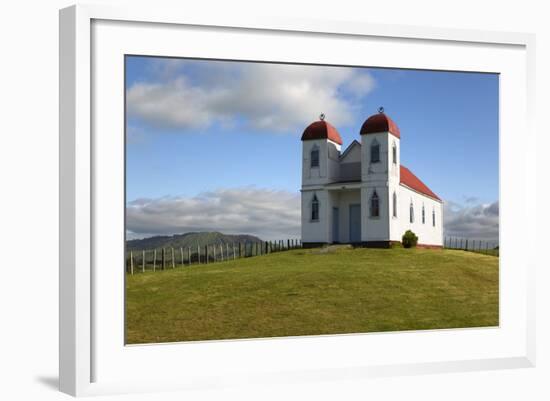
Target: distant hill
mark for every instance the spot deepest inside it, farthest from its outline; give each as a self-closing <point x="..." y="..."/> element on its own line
<point x="188" y="240"/>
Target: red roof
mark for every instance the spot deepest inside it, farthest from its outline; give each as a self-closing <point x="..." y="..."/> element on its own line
<point x="321" y="130"/>
<point x="380" y="123"/>
<point x="413" y="182"/>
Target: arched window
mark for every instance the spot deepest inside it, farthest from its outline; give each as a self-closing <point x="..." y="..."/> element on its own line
<point x="374" y="205"/>
<point x="394" y="204"/>
<point x="315" y="208"/>
<point x="374" y="152"/>
<point x="394" y="153"/>
<point x="423" y="215"/>
<point x="411" y="213"/>
<point x="433" y="217"/>
<point x="315" y="156"/>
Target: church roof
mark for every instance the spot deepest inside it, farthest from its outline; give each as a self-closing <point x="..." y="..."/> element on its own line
<point x="321" y="130"/>
<point x="413" y="182"/>
<point x="380" y="123"/>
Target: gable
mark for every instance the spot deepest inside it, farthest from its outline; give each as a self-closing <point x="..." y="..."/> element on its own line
<point x="352" y="154"/>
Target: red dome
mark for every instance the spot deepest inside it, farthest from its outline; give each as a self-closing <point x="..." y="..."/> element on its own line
<point x="380" y="123"/>
<point x="321" y="130"/>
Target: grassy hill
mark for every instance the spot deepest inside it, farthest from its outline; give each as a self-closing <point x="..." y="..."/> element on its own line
<point x="309" y="292"/>
<point x="188" y="240"/>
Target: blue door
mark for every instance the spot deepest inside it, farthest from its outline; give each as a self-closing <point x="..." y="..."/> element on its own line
<point x="335" y="225"/>
<point x="354" y="223"/>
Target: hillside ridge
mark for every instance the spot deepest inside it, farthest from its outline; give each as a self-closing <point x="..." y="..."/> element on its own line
<point x="190" y="239"/>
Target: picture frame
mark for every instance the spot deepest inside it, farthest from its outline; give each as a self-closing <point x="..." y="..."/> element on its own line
<point x="94" y="361"/>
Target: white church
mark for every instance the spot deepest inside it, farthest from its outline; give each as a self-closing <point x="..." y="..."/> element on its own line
<point x="364" y="195"/>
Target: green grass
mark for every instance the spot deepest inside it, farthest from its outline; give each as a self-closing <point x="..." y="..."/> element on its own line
<point x="307" y="292"/>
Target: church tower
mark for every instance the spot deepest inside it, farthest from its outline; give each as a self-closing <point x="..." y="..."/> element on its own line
<point x="380" y="177"/>
<point x="321" y="146"/>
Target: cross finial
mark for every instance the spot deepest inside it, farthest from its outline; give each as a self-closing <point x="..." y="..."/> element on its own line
<point x="322" y="116"/>
<point x="380" y="109"/>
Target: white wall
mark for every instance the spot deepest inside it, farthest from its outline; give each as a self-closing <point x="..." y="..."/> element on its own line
<point x="328" y="170"/>
<point x="427" y="233"/>
<point x="374" y="228"/>
<point x="316" y="231"/>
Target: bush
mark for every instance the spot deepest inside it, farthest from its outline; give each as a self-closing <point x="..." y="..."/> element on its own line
<point x="409" y="239"/>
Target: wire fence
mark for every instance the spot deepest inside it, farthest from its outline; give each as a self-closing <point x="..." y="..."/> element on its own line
<point x="140" y="261"/>
<point x="472" y="245"/>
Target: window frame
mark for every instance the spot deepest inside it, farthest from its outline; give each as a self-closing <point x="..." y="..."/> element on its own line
<point x="314" y="208"/>
<point x="411" y="213"/>
<point x="315" y="150"/>
<point x="374" y="197"/>
<point x="375" y="145"/>
<point x="394" y="199"/>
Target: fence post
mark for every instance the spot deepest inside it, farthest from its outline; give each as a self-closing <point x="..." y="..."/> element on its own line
<point x="155" y="260"/>
<point x="189" y="255"/>
<point x="466" y="246"/>
<point x="199" y="254"/>
<point x="143" y="262"/>
<point x="287" y="244"/>
<point x="131" y="263"/>
<point x="206" y="253"/>
<point x="163" y="258"/>
<point x="181" y="251"/>
<point x="234" y="251"/>
<point x="173" y="260"/>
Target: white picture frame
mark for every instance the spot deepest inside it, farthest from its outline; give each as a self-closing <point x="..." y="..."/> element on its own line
<point x="90" y="364"/>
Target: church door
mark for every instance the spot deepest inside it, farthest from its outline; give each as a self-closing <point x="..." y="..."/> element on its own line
<point x="354" y="223"/>
<point x="335" y="225"/>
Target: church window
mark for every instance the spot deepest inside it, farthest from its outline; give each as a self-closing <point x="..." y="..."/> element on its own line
<point x="411" y="213"/>
<point x="374" y="205"/>
<point x="375" y="152"/>
<point x="394" y="204"/>
<point x="315" y="208"/>
<point x="433" y="218"/>
<point x="315" y="157"/>
<point x="394" y="153"/>
<point x="423" y="215"/>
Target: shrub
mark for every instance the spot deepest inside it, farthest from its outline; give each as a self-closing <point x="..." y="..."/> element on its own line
<point x="409" y="239"/>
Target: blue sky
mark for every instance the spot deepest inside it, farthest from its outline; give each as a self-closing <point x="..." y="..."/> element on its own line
<point x="199" y="131"/>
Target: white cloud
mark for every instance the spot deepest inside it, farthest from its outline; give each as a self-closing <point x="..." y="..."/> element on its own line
<point x="265" y="97"/>
<point x="269" y="214"/>
<point x="472" y="220"/>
